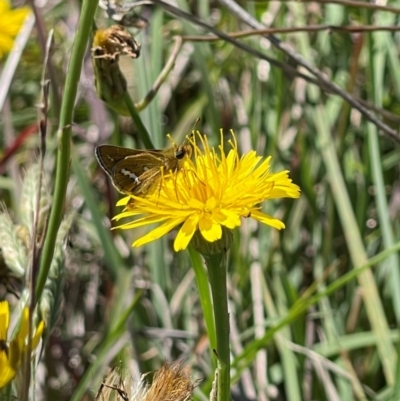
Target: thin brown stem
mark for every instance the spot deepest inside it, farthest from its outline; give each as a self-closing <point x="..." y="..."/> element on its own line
<point x="308" y="28"/>
<point x="351" y="3"/>
<point x="163" y="75"/>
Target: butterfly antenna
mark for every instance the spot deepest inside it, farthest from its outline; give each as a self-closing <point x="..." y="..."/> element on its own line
<point x="195" y="124"/>
<point x="191" y="133"/>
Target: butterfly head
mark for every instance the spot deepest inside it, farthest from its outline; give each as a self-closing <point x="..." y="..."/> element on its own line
<point x="186" y="149"/>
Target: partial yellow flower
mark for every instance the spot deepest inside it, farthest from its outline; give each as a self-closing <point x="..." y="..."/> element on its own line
<point x="11" y="22"/>
<point x="6" y="371"/>
<point x="214" y="190"/>
<point x="12" y="354"/>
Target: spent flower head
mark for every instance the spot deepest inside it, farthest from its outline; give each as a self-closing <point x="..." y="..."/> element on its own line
<point x="170" y="383"/>
<point x="11" y="22"/>
<point x="14" y="352"/>
<point x="213" y="191"/>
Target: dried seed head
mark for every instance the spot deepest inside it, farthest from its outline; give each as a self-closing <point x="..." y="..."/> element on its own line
<point x="170" y="383"/>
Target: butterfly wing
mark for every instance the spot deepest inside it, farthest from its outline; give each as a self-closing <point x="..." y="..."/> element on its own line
<point x="136" y="174"/>
<point x="108" y="156"/>
<point x="131" y="171"/>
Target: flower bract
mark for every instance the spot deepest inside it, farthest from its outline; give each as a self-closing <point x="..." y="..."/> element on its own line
<point x="215" y="189"/>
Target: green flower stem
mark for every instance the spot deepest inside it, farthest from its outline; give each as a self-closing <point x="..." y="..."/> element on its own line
<point x="64" y="139"/>
<point x="216" y="266"/>
<point x="205" y="298"/>
<point x="144" y="134"/>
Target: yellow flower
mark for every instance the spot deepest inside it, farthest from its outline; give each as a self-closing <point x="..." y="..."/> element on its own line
<point x="212" y="191"/>
<point x="11" y="21"/>
<point x="12" y="354"/>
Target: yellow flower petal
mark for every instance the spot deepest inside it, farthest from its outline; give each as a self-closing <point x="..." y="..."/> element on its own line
<point x="24" y="329"/>
<point x="264" y="218"/>
<point x="11" y="22"/>
<point x="186" y="232"/>
<point x="6" y="44"/>
<point x="142" y="222"/>
<point x="123" y="201"/>
<point x="15" y="19"/>
<point x="38" y="334"/>
<point x="4" y="320"/>
<point x="196" y="203"/>
<point x="4" y="7"/>
<point x="210" y="229"/>
<point x="157" y="232"/>
<point x="7" y="373"/>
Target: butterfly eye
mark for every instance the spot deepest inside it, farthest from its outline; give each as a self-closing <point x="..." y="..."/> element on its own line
<point x="180" y="154"/>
